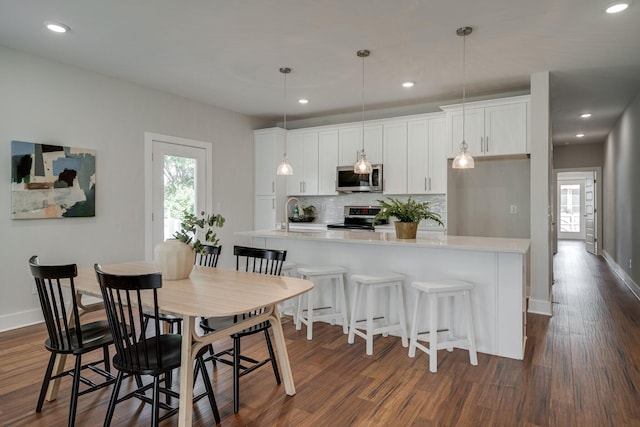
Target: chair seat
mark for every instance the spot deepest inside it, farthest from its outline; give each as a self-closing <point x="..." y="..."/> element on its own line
<point x="218" y="323"/>
<point x="443" y="286"/>
<point x="371" y="279"/>
<point x="322" y="270"/>
<point x="153" y="364"/>
<point x="94" y="335"/>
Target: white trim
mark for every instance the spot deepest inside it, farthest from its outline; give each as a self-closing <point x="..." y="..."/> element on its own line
<point x="149" y="137"/>
<point x="540" y="307"/>
<point x="628" y="281"/>
<point x="20" y="319"/>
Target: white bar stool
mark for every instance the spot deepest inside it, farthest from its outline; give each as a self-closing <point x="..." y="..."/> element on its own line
<point x="289" y="307"/>
<point x="370" y="284"/>
<point x="318" y="275"/>
<point x="441" y="289"/>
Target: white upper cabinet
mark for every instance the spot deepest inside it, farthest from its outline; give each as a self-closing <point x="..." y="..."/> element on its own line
<point x="302" y="150"/>
<point x="327" y="162"/>
<point x="427" y="151"/>
<point x="395" y="157"/>
<point x="351" y="143"/>
<point x="498" y="127"/>
<point x="268" y="150"/>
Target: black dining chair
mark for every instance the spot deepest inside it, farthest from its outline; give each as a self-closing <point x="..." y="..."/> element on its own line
<point x="67" y="335"/>
<point x="255" y="260"/>
<point x="139" y="352"/>
<point x="207" y="259"/>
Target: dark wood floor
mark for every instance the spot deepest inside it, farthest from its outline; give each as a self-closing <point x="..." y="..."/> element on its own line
<point x="582" y="368"/>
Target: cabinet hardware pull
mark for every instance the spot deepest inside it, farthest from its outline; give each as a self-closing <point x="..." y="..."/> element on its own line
<point x="425" y="184"/>
<point x="273" y="203"/>
<point x="482" y="144"/>
<point x="486" y="144"/>
<point x="273" y="186"/>
<point x="429" y="183"/>
<point x="300" y="186"/>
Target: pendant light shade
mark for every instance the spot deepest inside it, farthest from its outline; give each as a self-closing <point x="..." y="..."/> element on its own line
<point x="463" y="160"/>
<point x="362" y="166"/>
<point x="284" y="168"/>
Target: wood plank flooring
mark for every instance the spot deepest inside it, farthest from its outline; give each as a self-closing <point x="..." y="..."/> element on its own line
<point x="581" y="368"/>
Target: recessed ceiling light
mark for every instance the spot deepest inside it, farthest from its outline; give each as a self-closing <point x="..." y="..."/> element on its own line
<point x="303" y="101"/>
<point x="585" y="115"/>
<point x="617" y="7"/>
<point x="408" y="84"/>
<point x="56" y="27"/>
<point x="579" y="135"/>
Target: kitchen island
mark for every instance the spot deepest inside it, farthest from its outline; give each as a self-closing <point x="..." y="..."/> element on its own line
<point x="498" y="267"/>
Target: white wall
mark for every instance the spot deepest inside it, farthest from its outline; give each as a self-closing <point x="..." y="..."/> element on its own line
<point x="51" y="103"/>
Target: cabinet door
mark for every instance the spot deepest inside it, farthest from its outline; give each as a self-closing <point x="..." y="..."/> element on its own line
<point x="473" y="127"/>
<point x="264" y="213"/>
<point x="505" y="129"/>
<point x="266" y="161"/>
<point x="418" y="157"/>
<point x="395" y="158"/>
<point x="295" y="153"/>
<point x="438" y="150"/>
<point x="327" y="162"/>
<point x="302" y="150"/>
<point x="351" y="143"/>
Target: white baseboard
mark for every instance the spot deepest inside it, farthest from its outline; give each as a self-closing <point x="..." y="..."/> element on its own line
<point x="633" y="286"/>
<point x="18" y="320"/>
<point x="540" y="307"/>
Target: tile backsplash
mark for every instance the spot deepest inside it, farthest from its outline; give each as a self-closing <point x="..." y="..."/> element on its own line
<point x="329" y="209"/>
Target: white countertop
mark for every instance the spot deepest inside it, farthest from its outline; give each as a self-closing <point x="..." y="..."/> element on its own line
<point x="424" y="239"/>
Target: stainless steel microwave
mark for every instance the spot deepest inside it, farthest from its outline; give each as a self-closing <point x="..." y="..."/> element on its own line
<point x="348" y="181"/>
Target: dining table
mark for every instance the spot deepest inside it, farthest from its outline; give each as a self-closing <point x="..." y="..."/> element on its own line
<point x="207" y="292"/>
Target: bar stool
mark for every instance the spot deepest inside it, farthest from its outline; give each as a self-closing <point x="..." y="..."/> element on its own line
<point x="387" y="282"/>
<point x="289" y="307"/>
<point x="334" y="274"/>
<point x="443" y="289"/>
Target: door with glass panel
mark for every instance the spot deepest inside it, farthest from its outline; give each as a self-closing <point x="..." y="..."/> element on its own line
<point x="178" y="184"/>
<point x="571" y="224"/>
<point x="590" y="216"/>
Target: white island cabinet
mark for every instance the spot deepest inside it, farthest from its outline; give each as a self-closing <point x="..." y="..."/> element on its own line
<point x="498" y="267"/>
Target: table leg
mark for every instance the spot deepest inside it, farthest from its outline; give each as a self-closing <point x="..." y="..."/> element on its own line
<point x="283" y="356"/>
<point x="186" y="372"/>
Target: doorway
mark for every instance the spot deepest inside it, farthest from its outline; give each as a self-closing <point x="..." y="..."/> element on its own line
<point x="178" y="178"/>
<point x="578" y="206"/>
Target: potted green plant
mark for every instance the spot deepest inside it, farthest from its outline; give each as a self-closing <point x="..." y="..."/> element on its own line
<point x="408" y="215"/>
<point x="192" y="226"/>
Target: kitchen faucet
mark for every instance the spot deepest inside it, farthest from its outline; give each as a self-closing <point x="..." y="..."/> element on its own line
<point x="286" y="211"/>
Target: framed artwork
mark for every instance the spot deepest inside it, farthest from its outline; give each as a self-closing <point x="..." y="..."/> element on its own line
<point x="52" y="181"/>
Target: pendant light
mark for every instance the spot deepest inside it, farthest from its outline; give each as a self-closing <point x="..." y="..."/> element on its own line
<point x="463" y="160"/>
<point x="284" y="168"/>
<point x="362" y="166"/>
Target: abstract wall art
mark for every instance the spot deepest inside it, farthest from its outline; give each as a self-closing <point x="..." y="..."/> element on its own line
<point x="51" y="181"/>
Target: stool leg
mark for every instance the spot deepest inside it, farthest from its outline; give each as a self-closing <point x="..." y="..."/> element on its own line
<point x="369" y="320"/>
<point x="449" y="310"/>
<point x="299" y="313"/>
<point x="310" y="315"/>
<point x="387" y="303"/>
<point x="343" y="305"/>
<point x="401" y="315"/>
<point x="334" y="297"/>
<point x="414" y="326"/>
<point x="354" y="310"/>
<point x="471" y="335"/>
<point x="433" y="333"/>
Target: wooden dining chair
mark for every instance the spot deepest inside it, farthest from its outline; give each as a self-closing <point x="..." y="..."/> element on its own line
<point x="255" y="260"/>
<point x="67" y="335"/>
<point x="139" y="352"/>
<point x="207" y="259"/>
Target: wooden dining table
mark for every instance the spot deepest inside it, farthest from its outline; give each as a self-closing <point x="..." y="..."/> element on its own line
<point x="207" y="292"/>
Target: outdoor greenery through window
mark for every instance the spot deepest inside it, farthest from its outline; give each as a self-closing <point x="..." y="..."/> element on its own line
<point x="179" y="191"/>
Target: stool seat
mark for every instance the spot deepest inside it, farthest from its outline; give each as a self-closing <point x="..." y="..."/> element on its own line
<point x="433" y="290"/>
<point x="370" y="326"/>
<point x="378" y="278"/>
<point x="334" y="274"/>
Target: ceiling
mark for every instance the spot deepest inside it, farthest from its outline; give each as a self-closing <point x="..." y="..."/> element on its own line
<point x="227" y="52"/>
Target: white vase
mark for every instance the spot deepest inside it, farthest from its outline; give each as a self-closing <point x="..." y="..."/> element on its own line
<point x="174" y="258"/>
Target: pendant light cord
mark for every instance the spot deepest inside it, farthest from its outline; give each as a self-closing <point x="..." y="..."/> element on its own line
<point x="464" y="73"/>
<point x="363" y="56"/>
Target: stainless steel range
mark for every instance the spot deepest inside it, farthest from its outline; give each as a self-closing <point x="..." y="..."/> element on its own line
<point x="359" y="218"/>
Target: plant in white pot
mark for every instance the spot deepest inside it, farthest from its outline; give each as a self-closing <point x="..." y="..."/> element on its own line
<point x="175" y="256"/>
<point x="408" y="215"/>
